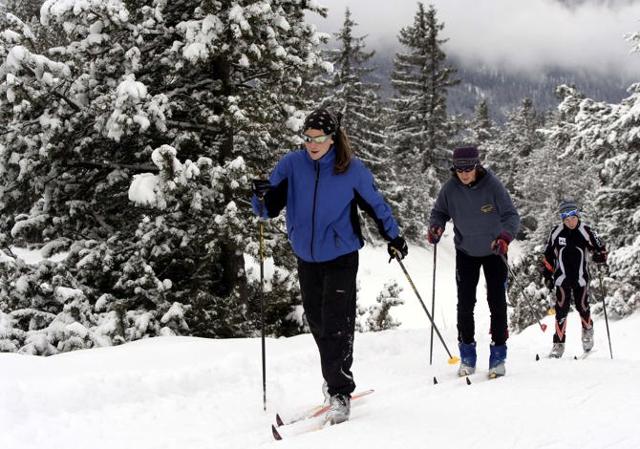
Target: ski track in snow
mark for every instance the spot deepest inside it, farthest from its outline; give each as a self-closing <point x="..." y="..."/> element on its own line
<point x="179" y="392"/>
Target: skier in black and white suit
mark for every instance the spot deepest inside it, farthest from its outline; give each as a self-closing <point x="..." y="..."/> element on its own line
<point x="565" y="268"/>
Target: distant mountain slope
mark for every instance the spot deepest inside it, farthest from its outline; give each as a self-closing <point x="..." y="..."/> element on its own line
<point x="505" y="89"/>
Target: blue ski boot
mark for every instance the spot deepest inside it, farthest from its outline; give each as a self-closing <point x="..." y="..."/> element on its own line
<point x="467" y="359"/>
<point x="497" y="357"/>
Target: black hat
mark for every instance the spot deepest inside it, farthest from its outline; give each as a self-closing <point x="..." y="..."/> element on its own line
<point x="465" y="157"/>
<point x="322" y="119"/>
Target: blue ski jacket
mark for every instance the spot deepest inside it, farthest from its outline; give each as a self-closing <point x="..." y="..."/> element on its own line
<point x="322" y="216"/>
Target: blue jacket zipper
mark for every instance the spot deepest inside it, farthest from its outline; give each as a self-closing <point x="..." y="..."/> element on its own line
<point x="313" y="215"/>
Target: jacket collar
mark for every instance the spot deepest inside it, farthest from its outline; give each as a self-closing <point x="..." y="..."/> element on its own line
<point x="480" y="179"/>
<point x="328" y="159"/>
<point x="577" y="228"/>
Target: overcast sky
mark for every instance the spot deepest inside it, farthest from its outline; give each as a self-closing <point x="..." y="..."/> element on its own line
<point x="519" y="34"/>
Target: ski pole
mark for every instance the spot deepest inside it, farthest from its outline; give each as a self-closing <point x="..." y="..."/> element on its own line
<point x="524" y="295"/>
<point x="452" y="360"/>
<point x="262" y="330"/>
<point x="604" y="307"/>
<point x="433" y="301"/>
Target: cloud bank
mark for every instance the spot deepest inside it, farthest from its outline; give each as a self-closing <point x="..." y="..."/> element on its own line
<point x="521" y="35"/>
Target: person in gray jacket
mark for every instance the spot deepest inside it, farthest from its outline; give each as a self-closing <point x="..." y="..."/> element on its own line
<point x="484" y="223"/>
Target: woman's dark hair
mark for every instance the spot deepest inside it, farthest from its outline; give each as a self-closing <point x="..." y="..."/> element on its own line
<point x="331" y="124"/>
<point x="344" y="152"/>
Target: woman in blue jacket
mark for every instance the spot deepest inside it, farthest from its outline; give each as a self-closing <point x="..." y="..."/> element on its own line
<point x="321" y="187"/>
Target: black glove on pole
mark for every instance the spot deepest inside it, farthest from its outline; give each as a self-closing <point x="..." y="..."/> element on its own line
<point x="599" y="257"/>
<point x="397" y="247"/>
<point x="547" y="277"/>
<point x="260" y="187"/>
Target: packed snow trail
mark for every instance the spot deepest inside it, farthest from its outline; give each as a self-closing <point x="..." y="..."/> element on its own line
<point x="196" y="393"/>
<point x="179" y="392"/>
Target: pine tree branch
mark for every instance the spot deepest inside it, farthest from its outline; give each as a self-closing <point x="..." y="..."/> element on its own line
<point x="67" y="100"/>
<point x="110" y="229"/>
<point x="193" y="127"/>
<point x="114" y="165"/>
<point x="190" y="87"/>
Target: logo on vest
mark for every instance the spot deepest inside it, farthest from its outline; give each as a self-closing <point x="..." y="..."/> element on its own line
<point x="487" y="208"/>
<point x="562" y="241"/>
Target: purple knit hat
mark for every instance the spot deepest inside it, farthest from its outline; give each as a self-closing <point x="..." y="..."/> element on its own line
<point x="465" y="157"/>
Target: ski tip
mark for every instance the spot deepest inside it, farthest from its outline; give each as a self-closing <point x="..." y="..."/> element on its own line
<point x="454" y="360"/>
<point x="279" y="421"/>
<point x="468" y="381"/>
<point x="537" y="357"/>
<point x="275" y="433"/>
<point x="435" y="381"/>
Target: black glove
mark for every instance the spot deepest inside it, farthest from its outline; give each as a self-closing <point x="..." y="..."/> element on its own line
<point x="398" y="247"/>
<point x="547" y="278"/>
<point x="261" y="187"/>
<point x="599" y="256"/>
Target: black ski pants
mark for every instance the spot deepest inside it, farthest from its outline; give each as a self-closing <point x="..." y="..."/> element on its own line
<point x="467" y="276"/>
<point x="329" y="301"/>
<point x="563" y="302"/>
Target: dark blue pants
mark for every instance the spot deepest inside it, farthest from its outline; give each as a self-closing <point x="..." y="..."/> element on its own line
<point x="329" y="301"/>
<point x="467" y="276"/>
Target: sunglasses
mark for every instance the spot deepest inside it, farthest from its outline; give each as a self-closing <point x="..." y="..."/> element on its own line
<point x="316" y="139"/>
<point x="570" y="213"/>
<point x="464" y="170"/>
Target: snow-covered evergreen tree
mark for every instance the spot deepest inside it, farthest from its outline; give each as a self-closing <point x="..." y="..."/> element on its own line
<point x="553" y="172"/>
<point x="379" y="315"/>
<point x="528" y="297"/>
<point x="482" y="128"/>
<point x="516" y="142"/>
<point x="600" y="163"/>
<point x="591" y="152"/>
<point x="421" y="130"/>
<point x="421" y="78"/>
<point x="348" y="93"/>
<point x="508" y="156"/>
<point x="131" y="142"/>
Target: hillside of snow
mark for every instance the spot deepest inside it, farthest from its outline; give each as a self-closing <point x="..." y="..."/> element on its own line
<point x="191" y="393"/>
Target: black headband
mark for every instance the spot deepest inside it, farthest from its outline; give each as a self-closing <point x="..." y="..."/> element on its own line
<point x="322" y="119"/>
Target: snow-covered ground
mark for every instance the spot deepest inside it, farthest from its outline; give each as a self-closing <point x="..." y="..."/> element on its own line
<point x="191" y="393"/>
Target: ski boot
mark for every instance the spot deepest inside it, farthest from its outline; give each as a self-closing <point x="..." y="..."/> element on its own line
<point x="497" y="358"/>
<point x="467" y="359"/>
<point x="587" y="339"/>
<point x="557" y="350"/>
<point x="340" y="408"/>
<point x="325" y="392"/>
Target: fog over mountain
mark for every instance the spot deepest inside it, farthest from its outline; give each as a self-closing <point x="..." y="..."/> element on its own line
<point x="506" y="50"/>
